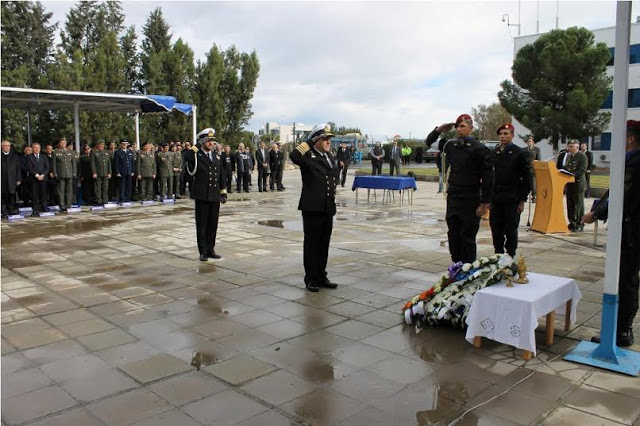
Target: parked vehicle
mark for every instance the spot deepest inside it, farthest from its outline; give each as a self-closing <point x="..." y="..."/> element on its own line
<point x="430" y="155"/>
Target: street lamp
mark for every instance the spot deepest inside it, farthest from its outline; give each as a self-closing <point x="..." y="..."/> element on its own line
<point x="505" y="18"/>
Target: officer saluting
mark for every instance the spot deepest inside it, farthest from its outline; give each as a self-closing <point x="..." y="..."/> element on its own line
<point x="512" y="183"/>
<point x="469" y="186"/>
<point x="208" y="189"/>
<point x="320" y="174"/>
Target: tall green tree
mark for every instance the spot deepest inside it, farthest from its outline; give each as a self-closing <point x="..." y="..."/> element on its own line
<point x="559" y="84"/>
<point x="208" y="97"/>
<point x="129" y="48"/>
<point x="180" y="75"/>
<point x="26" y="49"/>
<point x="487" y="119"/>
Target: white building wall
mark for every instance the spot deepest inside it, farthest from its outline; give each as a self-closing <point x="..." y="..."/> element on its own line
<point x="607" y="36"/>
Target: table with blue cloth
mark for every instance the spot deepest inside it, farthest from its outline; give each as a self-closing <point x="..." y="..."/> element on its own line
<point x="387" y="184"/>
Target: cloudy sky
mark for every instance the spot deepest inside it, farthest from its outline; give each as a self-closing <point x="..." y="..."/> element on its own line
<point x="386" y="67"/>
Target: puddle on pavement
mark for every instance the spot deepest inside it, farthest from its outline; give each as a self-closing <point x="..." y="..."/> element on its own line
<point x="177" y="210"/>
<point x="45" y="230"/>
<point x="317" y="370"/>
<point x="211" y="304"/>
<point x="113" y="286"/>
<point x="290" y="224"/>
<point x="29" y="300"/>
<point x="205" y="268"/>
<point x="238" y="199"/>
<point x="202" y="359"/>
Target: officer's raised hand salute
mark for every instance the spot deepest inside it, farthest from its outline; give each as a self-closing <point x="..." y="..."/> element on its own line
<point x="320" y="174"/>
<point x="208" y="189"/>
<point x="468" y="182"/>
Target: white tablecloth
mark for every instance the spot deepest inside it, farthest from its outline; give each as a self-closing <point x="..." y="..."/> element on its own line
<point x="510" y="315"/>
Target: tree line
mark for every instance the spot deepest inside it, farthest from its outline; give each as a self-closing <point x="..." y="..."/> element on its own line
<point x="97" y="53"/>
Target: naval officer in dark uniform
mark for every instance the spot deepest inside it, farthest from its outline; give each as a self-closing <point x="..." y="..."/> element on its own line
<point x="320" y="174"/>
<point x="630" y="241"/>
<point x="512" y="183"/>
<point x="470" y="178"/>
<point x="208" y="189"/>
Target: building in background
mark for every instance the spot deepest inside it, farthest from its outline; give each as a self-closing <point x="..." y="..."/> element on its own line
<point x="599" y="144"/>
<point x="285" y="132"/>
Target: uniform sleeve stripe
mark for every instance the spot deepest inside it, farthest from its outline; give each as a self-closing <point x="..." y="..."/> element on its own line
<point x="303" y="148"/>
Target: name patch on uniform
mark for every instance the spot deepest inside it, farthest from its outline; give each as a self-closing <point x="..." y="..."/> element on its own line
<point x="74" y="210"/>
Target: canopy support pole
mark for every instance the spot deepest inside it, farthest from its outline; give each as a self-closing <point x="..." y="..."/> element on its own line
<point x="76" y="124"/>
<point x="138" y="130"/>
<point x="194" y="130"/>
<point x="606" y="354"/>
<point x="28" y="128"/>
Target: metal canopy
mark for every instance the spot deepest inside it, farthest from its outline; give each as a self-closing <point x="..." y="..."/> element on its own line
<point x="24" y="98"/>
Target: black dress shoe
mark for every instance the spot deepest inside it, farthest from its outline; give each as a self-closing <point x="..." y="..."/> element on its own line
<point x="313" y="287"/>
<point x="622" y="339"/>
<point x="213" y="255"/>
<point x="203" y="258"/>
<point x="329" y="284"/>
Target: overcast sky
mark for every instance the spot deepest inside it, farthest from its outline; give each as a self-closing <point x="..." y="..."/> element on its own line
<point x="386" y="67"/>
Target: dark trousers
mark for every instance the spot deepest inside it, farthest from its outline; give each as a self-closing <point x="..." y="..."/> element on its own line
<point x="343" y="177"/>
<point x="229" y="176"/>
<point x="65" y="192"/>
<point x="504" y="220"/>
<point x="51" y="196"/>
<point x="463" y="226"/>
<point x="8" y="203"/>
<point x="87" y="191"/>
<point x="392" y="165"/>
<point x="575" y="205"/>
<point x="279" y="177"/>
<point x="587" y="192"/>
<point x="317" y="229"/>
<point x="629" y="268"/>
<point x="262" y="177"/>
<point x="24" y="191"/>
<point x="207" y="213"/>
<point x="112" y="192"/>
<point x="38" y="194"/>
<point x="125" y="189"/>
<point x="376" y="167"/>
<point x="243" y="181"/>
<point x="276" y="178"/>
<point x="183" y="182"/>
<point x="101" y="190"/>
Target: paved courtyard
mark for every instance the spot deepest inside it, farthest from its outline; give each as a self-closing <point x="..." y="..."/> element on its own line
<point x="109" y="319"/>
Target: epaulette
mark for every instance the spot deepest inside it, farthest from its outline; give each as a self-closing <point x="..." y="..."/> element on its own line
<point x="194" y="148"/>
<point x="303" y="148"/>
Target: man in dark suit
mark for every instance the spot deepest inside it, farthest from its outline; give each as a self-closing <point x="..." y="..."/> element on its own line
<point x="208" y="190"/>
<point x="394" y="158"/>
<point x="228" y="167"/>
<point x="38" y="166"/>
<point x="320" y="174"/>
<point x="590" y="167"/>
<point x="280" y="174"/>
<point x="630" y="242"/>
<point x="262" y="160"/>
<point x="11" y="178"/>
<point x="576" y="163"/>
<point x="275" y="165"/>
<point x="344" y="158"/>
<point x="124" y="168"/>
<point x="25" y="192"/>
<point x="243" y="168"/>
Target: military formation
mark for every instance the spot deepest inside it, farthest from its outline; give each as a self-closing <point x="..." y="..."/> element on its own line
<point x="102" y="173"/>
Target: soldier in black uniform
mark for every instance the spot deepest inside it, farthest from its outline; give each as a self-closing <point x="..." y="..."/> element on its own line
<point x="469" y="186"/>
<point x="630" y="242"/>
<point x="208" y="189"/>
<point x="320" y="173"/>
<point x="512" y="183"/>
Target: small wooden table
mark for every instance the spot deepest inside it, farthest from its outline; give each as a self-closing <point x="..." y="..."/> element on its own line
<point x="510" y="315"/>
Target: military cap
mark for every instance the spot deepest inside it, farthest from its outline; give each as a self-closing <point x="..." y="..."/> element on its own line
<point x="124" y="140"/>
<point x="163" y="144"/>
<point x="462" y="117"/>
<point x="206" y="135"/>
<point x="320" y="131"/>
<point x="507" y="126"/>
<point x="98" y="142"/>
<point x="633" y="125"/>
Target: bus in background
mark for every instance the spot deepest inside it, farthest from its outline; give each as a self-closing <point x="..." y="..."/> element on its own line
<point x="358" y="144"/>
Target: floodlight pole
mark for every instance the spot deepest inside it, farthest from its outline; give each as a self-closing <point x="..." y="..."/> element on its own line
<point x="76" y="124"/>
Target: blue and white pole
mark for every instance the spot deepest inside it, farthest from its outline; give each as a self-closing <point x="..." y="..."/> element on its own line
<point x="607" y="354"/>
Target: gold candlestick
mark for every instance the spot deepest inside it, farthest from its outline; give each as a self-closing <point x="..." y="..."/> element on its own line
<point x="522" y="271"/>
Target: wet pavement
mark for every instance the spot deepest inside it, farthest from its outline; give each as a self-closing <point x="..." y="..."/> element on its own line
<point x="109" y="319"/>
